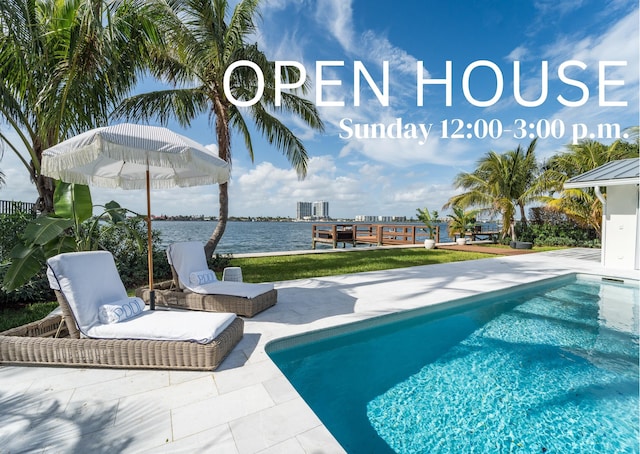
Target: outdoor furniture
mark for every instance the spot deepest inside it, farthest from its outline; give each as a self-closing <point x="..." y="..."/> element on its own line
<point x="195" y="287"/>
<point x="85" y="283"/>
<point x="232" y="274"/>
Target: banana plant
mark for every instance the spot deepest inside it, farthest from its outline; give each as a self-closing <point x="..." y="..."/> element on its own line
<point x="71" y="228"/>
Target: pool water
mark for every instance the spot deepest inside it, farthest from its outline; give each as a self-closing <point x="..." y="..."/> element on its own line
<point x="548" y="368"/>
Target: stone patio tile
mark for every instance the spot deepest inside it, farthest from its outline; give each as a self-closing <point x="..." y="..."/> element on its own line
<point x="127" y="385"/>
<point x="169" y="397"/>
<point x="72" y="377"/>
<point x="317" y="439"/>
<point x="218" y="440"/>
<point x="136" y="430"/>
<point x="277" y="424"/>
<point x="208" y="413"/>
<point x="290" y="446"/>
<point x="250" y="374"/>
<point x="280" y="389"/>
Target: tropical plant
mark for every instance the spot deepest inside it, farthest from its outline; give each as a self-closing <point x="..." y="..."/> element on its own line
<point x="63" y="66"/>
<point x="430" y="220"/>
<point x="205" y="40"/>
<point x="11" y="226"/>
<point x="70" y="229"/>
<point x="501" y="184"/>
<point x="581" y="205"/>
<point x="461" y="221"/>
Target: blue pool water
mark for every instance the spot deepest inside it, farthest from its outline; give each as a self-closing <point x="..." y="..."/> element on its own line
<point x="549" y="368"/>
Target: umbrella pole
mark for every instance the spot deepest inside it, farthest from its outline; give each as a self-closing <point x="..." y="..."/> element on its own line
<point x="152" y="293"/>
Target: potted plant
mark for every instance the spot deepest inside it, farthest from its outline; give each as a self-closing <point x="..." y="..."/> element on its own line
<point x="461" y="222"/>
<point x="430" y="220"/>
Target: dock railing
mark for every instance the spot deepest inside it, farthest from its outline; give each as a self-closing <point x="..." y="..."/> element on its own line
<point x="333" y="234"/>
<point x="377" y="234"/>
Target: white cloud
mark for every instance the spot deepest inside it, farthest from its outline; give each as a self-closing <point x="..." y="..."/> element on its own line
<point x="336" y="16"/>
<point x="517" y="54"/>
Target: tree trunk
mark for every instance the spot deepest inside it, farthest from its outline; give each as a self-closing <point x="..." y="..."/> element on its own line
<point x="45" y="187"/>
<point x="512" y="229"/>
<point x="216" y="236"/>
<point x="523" y="216"/>
<point x="224" y="152"/>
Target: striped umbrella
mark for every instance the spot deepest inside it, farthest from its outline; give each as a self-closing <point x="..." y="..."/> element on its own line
<point x="131" y="156"/>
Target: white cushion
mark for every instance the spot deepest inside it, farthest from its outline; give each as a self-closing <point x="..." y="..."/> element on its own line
<point x="200" y="327"/>
<point x="120" y="310"/>
<point x="202" y="277"/>
<point x="88" y="280"/>
<point x="188" y="257"/>
<point x="231" y="288"/>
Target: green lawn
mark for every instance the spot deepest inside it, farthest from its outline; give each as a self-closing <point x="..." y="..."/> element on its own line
<point x="286" y="267"/>
<point x="281" y="268"/>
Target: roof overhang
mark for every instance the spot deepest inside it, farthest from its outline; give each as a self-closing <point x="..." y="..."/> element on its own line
<point x="602" y="183"/>
<point x="614" y="173"/>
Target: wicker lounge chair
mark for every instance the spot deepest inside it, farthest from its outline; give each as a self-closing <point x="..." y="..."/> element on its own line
<point x="84" y="280"/>
<point x="187" y="258"/>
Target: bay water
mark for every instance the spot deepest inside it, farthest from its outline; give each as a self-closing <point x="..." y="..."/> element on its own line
<point x="248" y="237"/>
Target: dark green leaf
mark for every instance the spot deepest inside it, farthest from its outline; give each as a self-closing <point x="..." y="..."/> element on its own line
<point x="73" y="201"/>
<point x="26" y="262"/>
<point x="45" y="229"/>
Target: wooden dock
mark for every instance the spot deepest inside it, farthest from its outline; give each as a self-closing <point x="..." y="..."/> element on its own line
<point x="377" y="234"/>
<point x="382" y="234"/>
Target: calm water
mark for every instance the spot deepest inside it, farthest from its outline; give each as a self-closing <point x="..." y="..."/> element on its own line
<point x="245" y="237"/>
<point x="550" y="370"/>
<point x="240" y="237"/>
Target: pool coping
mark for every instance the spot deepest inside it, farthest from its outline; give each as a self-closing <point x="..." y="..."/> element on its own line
<point x="320" y="334"/>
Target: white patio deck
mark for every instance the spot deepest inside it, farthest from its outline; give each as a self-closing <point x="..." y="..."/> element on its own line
<point x="247" y="405"/>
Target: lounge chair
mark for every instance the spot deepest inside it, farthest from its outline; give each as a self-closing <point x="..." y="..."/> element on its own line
<point x="195" y="287"/>
<point x="86" y="284"/>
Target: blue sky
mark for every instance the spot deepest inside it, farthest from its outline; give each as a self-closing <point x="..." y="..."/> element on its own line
<point x="590" y="46"/>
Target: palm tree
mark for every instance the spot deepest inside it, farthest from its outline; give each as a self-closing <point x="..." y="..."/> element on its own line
<point x="582" y="205"/>
<point x="461" y="221"/>
<point x="501" y="184"/>
<point x="205" y="40"/>
<point x="63" y="65"/>
<point x="430" y="220"/>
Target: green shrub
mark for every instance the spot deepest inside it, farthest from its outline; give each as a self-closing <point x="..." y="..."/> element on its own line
<point x="11" y="226"/>
<point x="219" y="261"/>
<point x="37" y="288"/>
<point x="131" y="260"/>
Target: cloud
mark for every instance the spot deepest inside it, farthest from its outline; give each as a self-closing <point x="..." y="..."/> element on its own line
<point x="336" y="17"/>
<point x="519" y="53"/>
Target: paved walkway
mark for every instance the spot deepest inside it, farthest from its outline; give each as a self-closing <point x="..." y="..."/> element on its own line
<point x="486" y="249"/>
<point x="247" y="405"/>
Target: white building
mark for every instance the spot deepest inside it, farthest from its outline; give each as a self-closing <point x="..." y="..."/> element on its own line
<point x="321" y="210"/>
<point x="620" y="210"/>
<point x="312" y="210"/>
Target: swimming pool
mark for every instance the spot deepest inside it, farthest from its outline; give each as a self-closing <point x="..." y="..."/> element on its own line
<point x="549" y="367"/>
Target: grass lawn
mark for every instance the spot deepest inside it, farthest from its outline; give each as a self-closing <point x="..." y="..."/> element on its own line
<point x="287" y="267"/>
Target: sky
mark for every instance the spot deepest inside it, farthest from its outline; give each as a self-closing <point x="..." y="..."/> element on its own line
<point x="476" y="75"/>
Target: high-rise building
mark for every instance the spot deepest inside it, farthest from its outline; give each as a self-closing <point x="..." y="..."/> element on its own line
<point x="312" y="210"/>
<point x="304" y="210"/>
<point x="321" y="210"/>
